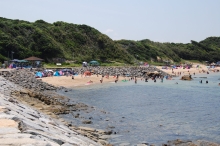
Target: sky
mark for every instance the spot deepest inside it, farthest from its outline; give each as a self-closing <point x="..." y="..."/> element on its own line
<point x="178" y="21"/>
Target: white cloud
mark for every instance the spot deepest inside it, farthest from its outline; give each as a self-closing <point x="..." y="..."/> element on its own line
<point x="108" y="31"/>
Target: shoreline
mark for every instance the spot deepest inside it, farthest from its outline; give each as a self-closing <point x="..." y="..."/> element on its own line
<point x="81" y="81"/>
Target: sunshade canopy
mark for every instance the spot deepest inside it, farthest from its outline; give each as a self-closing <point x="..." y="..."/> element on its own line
<point x="94" y="62"/>
<point x="16" y="60"/>
<point x="22" y="61"/>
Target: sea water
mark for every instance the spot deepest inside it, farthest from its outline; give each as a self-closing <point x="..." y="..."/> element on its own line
<point x="155" y="112"/>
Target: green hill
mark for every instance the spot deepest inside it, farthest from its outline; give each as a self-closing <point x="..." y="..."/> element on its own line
<point x="206" y="50"/>
<point x="84" y="43"/>
<point x="57" y="40"/>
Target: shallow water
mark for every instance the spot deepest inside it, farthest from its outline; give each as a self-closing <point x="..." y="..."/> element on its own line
<point x="155" y="112"/>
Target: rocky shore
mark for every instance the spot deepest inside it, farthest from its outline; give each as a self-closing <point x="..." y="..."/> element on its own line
<point x="20" y="124"/>
<point x="145" y="72"/>
<point x="22" y="86"/>
<point x="30" y="109"/>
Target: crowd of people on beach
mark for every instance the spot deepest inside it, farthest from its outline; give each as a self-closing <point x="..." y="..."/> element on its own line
<point x="146" y="79"/>
<point x="126" y="77"/>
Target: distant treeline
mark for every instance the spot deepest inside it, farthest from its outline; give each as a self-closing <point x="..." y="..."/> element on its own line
<point x="84" y="43"/>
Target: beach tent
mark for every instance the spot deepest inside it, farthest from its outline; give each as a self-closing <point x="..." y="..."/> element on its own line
<point x="56" y="73"/>
<point x="87" y="73"/>
<point x="38" y="75"/>
<point x="146" y="64"/>
<point x="164" y="67"/>
<point x="94" y="63"/>
<point x="61" y="73"/>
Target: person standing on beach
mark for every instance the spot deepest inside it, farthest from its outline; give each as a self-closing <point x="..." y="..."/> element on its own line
<point x="82" y="73"/>
<point x="101" y="80"/>
<point x="97" y="74"/>
<point x="135" y="79"/>
<point x="116" y="79"/>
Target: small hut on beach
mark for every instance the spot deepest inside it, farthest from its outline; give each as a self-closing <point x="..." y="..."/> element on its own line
<point x="35" y="61"/>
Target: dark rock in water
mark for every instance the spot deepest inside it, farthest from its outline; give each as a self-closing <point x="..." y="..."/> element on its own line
<point x="108" y="132"/>
<point x="87" y="122"/>
<point x="186" y="77"/>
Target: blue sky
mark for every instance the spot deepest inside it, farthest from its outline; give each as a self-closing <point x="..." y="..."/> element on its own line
<point x="157" y="20"/>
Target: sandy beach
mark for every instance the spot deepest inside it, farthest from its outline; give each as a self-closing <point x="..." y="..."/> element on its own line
<point x="77" y="81"/>
<point x="197" y="70"/>
<point x="80" y="81"/>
